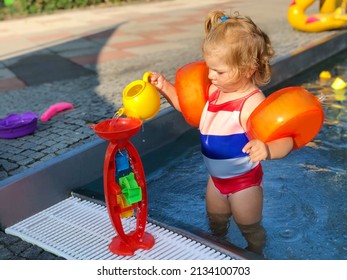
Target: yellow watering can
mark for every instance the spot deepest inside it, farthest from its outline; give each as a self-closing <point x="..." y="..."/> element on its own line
<point x="141" y="99"/>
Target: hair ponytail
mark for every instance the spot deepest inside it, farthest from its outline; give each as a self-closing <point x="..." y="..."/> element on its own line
<point x="213" y="19"/>
<point x="244" y="45"/>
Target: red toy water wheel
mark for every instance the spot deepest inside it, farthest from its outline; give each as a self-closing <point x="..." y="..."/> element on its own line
<point x="118" y="132"/>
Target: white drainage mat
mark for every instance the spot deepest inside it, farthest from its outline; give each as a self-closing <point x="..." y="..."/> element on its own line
<point x="80" y="229"/>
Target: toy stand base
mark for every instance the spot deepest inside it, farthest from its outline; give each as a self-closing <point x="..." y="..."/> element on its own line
<point x="119" y="247"/>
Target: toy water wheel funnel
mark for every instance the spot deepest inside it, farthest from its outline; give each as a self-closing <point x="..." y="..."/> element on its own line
<point x="118" y="129"/>
<point x="118" y="132"/>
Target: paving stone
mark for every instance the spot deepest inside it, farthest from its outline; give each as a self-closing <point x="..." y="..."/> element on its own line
<point x="15" y="150"/>
<point x="3" y="174"/>
<point x="28" y="145"/>
<point x="17" y="144"/>
<point x="50" y="150"/>
<point x="18" y="247"/>
<point x="18" y="158"/>
<point x="5" y="254"/>
<point x="8" y="166"/>
<point x="31" y="252"/>
<point x="28" y="153"/>
<point x="26" y="161"/>
<point x="48" y="157"/>
<point x="37" y="155"/>
<point x="8" y="238"/>
<point x="6" y="155"/>
<point x="18" y="170"/>
<point x="48" y="256"/>
<point x="61" y="151"/>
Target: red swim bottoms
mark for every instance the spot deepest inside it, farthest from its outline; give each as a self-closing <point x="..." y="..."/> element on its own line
<point x="235" y="184"/>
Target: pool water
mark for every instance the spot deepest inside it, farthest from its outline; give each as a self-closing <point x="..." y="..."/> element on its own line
<point x="305" y="194"/>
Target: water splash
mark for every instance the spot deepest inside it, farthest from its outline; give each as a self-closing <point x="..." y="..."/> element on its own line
<point x="118" y="114"/>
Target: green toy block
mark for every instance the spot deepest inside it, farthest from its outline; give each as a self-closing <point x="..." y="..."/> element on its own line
<point x="130" y="189"/>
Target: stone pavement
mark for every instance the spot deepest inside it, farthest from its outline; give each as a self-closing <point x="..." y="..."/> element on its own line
<point x="86" y="57"/>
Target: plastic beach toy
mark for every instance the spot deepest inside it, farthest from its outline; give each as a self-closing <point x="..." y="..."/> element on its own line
<point x="54" y="109"/>
<point x="338" y="84"/>
<point x="331" y="17"/>
<point x="130" y="193"/>
<point x="291" y="111"/>
<point x="18" y="125"/>
<point x="141" y="99"/>
<point x="325" y="75"/>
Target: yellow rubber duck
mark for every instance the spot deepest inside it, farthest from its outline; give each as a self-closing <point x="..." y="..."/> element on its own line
<point x="326" y="20"/>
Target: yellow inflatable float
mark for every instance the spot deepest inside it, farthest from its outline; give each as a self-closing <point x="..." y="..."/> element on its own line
<point x="331" y="16"/>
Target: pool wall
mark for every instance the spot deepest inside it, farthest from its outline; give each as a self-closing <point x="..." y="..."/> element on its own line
<point x="42" y="186"/>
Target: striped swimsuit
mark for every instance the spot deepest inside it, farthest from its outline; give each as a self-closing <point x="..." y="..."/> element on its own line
<point x="222" y="140"/>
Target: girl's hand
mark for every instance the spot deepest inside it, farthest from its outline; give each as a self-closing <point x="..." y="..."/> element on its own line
<point x="257" y="150"/>
<point x="157" y="80"/>
<point x="165" y="88"/>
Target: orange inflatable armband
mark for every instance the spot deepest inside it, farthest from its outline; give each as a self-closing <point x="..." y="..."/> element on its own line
<point x="192" y="84"/>
<point x="291" y="111"/>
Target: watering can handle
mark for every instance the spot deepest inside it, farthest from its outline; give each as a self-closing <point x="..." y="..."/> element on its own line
<point x="146" y="77"/>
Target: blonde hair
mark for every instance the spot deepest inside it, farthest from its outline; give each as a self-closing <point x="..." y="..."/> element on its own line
<point x="247" y="46"/>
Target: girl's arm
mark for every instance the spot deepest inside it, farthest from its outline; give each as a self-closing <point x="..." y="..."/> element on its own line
<point x="279" y="148"/>
<point x="166" y="89"/>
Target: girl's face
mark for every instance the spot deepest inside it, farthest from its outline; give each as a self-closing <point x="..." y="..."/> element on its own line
<point x="222" y="75"/>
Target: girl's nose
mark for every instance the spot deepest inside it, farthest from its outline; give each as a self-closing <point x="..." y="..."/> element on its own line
<point x="210" y="74"/>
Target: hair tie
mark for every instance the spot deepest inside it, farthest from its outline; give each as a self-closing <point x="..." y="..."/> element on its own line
<point x="224" y="18"/>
